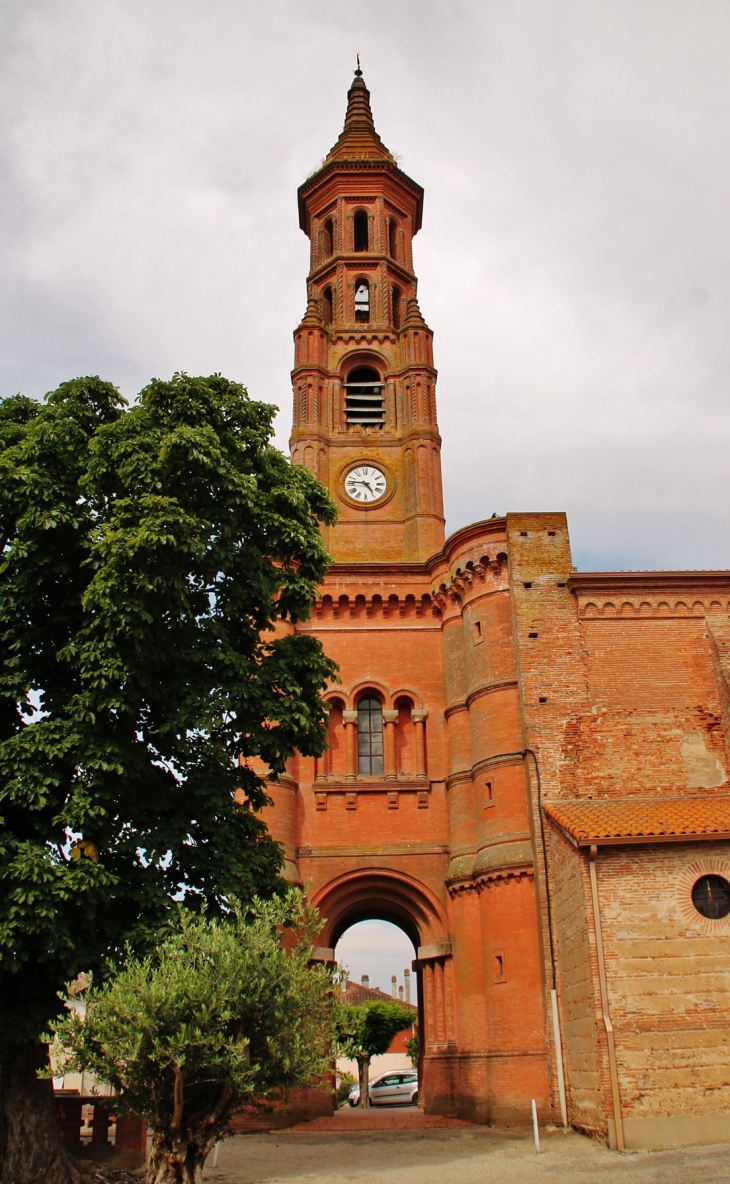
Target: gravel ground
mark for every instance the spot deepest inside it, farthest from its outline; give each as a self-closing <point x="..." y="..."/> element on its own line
<point x="480" y="1156"/>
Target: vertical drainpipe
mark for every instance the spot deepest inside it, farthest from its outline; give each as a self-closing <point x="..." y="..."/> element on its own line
<point x="612" y="1066"/>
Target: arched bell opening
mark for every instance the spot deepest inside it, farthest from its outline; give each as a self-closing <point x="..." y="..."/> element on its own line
<point x="360" y="231"/>
<point x="327" y="306"/>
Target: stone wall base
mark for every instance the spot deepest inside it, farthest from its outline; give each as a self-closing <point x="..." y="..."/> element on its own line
<point x="652" y="1134"/>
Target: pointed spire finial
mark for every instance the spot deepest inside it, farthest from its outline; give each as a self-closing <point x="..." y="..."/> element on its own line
<point x="359" y="139"/>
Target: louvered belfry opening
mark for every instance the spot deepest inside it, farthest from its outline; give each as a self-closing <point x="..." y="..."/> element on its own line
<point x="364" y="403"/>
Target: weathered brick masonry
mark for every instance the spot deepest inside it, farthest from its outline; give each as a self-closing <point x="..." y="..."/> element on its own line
<point x="491" y="700"/>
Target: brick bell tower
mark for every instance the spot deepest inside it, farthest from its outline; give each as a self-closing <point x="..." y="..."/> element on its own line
<point x="515" y="750"/>
<point x="364" y="383"/>
<point x="418" y="812"/>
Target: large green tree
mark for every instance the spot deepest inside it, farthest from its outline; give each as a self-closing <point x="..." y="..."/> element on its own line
<point x="153" y="558"/>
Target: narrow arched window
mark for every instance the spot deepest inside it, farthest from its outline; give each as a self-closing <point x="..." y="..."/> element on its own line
<point x="396" y="308"/>
<point x="370" y="737"/>
<point x="327" y="306"/>
<point x="361" y="231"/>
<point x="392" y="237"/>
<point x="328" y="237"/>
<point x="362" y="300"/>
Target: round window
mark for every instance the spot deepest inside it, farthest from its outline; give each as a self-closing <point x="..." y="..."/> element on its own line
<point x="711" y="897"/>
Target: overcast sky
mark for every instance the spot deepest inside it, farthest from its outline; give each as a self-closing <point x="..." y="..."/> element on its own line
<point x="573" y="260"/>
<point x="379" y="950"/>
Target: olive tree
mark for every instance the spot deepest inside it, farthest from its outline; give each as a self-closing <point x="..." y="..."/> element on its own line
<point x="222" y="1013"/>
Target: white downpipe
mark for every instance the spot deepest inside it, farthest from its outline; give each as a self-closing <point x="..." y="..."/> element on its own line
<point x="559" y="1058"/>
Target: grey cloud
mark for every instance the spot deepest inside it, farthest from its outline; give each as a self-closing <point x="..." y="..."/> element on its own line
<point x="573" y="261"/>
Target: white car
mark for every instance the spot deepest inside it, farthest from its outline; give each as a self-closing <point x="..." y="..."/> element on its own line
<point x="399" y="1088"/>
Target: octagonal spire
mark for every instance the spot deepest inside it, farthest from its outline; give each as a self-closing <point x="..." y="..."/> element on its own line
<point x="359" y="139"/>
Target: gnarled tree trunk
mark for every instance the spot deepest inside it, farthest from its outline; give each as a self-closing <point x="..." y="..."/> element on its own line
<point x="30" y="1144"/>
<point x="178" y="1159"/>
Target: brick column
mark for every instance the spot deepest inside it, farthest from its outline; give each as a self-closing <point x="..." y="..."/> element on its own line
<point x="349" y="718"/>
<point x="419" y="719"/>
<point x="100" y="1128"/>
<point x="390" y="719"/>
<point x="68" y="1116"/>
<point x="131" y="1135"/>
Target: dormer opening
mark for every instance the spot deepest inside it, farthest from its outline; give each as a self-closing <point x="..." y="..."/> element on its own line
<point x="361" y="231"/>
<point x="327" y="306"/>
<point x="328" y="238"/>
<point x="364" y="403"/>
<point x="397" y="315"/>
<point x="392" y="237"/>
<point x="362" y="300"/>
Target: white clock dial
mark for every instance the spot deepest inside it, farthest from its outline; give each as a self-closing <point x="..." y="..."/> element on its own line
<point x="365" y="484"/>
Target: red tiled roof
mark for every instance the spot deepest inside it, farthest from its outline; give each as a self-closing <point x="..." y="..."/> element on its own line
<point x="356" y="994"/>
<point x="641" y="820"/>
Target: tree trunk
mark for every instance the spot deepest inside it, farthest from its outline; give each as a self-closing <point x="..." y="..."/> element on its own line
<point x="363" y="1069"/>
<point x="178" y="1159"/>
<point x="30" y="1144"/>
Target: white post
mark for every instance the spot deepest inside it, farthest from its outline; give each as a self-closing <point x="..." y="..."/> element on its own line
<point x="559" y="1059"/>
<point x="535" y="1128"/>
<point x="215" y="1155"/>
<point x="407" y="977"/>
<point x="394" y="986"/>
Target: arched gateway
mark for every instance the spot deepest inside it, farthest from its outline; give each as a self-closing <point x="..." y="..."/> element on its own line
<point x="483" y="678"/>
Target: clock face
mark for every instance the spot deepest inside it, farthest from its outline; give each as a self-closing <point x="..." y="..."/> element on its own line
<point x="365" y="484"/>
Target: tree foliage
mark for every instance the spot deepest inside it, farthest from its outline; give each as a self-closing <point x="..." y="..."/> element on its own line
<point x="153" y="560"/>
<point x="220" y="1014"/>
<point x="366" y="1030"/>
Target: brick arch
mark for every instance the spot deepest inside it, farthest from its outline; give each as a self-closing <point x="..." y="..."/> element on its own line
<point x="363" y="357"/>
<point x="406" y="692"/>
<point x="382" y="895"/>
<point x="354" y="692"/>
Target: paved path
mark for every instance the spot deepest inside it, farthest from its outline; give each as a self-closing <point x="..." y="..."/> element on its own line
<point x="376" y="1118"/>
<point x="464" y="1155"/>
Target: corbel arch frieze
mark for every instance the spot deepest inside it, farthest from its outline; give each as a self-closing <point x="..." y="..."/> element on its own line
<point x="456" y="587"/>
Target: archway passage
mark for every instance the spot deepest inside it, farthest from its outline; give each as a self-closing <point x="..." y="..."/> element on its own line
<point x="377" y="960"/>
<point x="384" y="894"/>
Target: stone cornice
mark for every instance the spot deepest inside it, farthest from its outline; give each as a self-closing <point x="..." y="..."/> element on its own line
<point x="318" y="273"/>
<point x="373" y="167"/>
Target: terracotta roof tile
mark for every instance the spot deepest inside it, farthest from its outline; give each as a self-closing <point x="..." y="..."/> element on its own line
<point x="356" y="994"/>
<point x="634" y="820"/>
